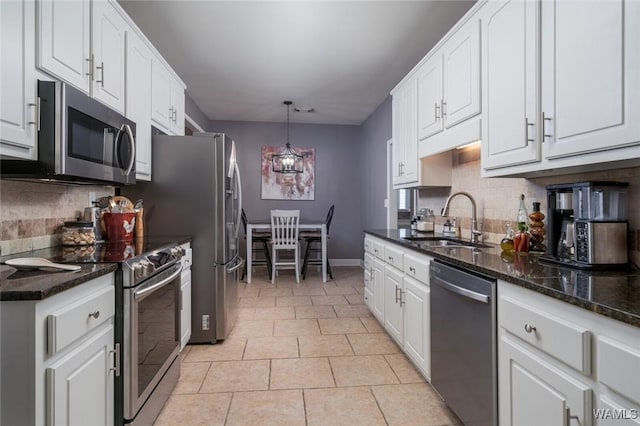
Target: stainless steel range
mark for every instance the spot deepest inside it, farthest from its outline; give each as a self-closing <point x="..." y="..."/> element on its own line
<point x="150" y="339"/>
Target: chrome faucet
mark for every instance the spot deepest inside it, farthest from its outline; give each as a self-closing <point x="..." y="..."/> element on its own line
<point x="475" y="233"/>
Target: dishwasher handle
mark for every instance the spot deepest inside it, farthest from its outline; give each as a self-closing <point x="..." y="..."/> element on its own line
<point x="460" y="290"/>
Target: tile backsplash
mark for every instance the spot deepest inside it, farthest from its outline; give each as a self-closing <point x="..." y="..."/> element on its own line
<point x="31" y="214"/>
<point x="497" y="199"/>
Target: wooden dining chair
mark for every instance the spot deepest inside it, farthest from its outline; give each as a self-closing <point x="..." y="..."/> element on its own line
<point x="284" y="236"/>
<point x="314" y="245"/>
<point x="260" y="245"/>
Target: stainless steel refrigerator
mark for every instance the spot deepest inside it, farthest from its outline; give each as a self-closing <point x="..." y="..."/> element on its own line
<point x="196" y="191"/>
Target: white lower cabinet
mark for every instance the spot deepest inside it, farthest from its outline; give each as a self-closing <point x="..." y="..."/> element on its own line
<point x="80" y="385"/>
<point x="563" y="365"/>
<point x="393" y="310"/>
<point x="59" y="357"/>
<point x="536" y="392"/>
<point x="400" y="293"/>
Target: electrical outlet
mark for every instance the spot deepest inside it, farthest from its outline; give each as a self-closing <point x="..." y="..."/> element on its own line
<point x="205" y="322"/>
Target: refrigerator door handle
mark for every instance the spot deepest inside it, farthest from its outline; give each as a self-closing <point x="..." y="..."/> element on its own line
<point x="239" y="264"/>
<point x="239" y="182"/>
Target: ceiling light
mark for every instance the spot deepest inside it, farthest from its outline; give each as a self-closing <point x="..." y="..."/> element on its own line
<point x="289" y="161"/>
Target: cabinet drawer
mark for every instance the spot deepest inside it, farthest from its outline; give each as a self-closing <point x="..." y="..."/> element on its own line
<point x="79" y="317"/>
<point x="559" y="338"/>
<point x="378" y="249"/>
<point x="368" y="245"/>
<point x="417" y="268"/>
<point x="393" y="256"/>
<point x="619" y="367"/>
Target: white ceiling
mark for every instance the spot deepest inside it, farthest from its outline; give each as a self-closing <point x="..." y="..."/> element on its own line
<point x="241" y="59"/>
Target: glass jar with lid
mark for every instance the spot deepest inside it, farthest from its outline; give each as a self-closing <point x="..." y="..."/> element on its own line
<point x="78" y="233"/>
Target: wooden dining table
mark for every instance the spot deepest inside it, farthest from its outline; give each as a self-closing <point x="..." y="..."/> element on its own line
<point x="304" y="225"/>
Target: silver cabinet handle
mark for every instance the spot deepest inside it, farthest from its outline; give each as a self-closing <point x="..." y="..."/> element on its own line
<point x="175" y="115"/>
<point x="544" y="127"/>
<point x="401" y="297"/>
<point x="436" y="111"/>
<point x="101" y="68"/>
<point x="37" y="113"/>
<point x="390" y="258"/>
<point x="529" y="328"/>
<point x="397" y="297"/>
<point x="116" y="363"/>
<point x="171" y="113"/>
<point x="412" y="269"/>
<point x="526" y="129"/>
<point x="442" y="109"/>
<point x="568" y="417"/>
<point x="90" y="73"/>
<point x="94" y="314"/>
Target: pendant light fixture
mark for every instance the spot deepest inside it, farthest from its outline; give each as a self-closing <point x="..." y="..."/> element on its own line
<point x="289" y="161"/>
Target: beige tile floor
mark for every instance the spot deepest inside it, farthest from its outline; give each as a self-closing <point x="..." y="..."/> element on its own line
<point x="303" y="354"/>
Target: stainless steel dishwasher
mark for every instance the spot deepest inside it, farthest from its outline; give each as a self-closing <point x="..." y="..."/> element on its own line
<point x="463" y="343"/>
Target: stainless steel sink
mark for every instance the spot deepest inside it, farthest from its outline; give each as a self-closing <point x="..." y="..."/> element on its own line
<point x="441" y="242"/>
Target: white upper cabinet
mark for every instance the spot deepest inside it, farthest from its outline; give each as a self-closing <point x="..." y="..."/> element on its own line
<point x="461" y="74"/>
<point x="561" y="87"/>
<point x="449" y="90"/>
<point x="86" y="53"/>
<point x="109" y="29"/>
<point x="138" y="106"/>
<point x="64" y="44"/>
<point x="167" y="99"/>
<point x="18" y="82"/>
<point x="510" y="83"/>
<point x="405" y="134"/>
<point x="430" y="119"/>
<point x="590" y="78"/>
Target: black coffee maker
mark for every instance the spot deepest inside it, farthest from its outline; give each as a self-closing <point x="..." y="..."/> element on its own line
<point x="587" y="224"/>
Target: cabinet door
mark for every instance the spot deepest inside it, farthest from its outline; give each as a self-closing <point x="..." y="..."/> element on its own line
<point x="533" y="392"/>
<point x="177" y="103"/>
<point x="80" y="386"/>
<point x="417" y="325"/>
<point x="393" y="311"/>
<point x="162" y="111"/>
<point x="461" y="71"/>
<point x="185" y="308"/>
<point x="139" y="59"/>
<point x="590" y="78"/>
<point x="405" y="133"/>
<point x="18" y="82"/>
<point x="430" y="97"/>
<point x="378" y="292"/>
<point x="108" y="35"/>
<point x="64" y="43"/>
<point x="510" y="122"/>
<point x="368" y="299"/>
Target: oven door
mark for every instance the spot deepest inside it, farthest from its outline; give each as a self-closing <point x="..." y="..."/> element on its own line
<point x="151" y="335"/>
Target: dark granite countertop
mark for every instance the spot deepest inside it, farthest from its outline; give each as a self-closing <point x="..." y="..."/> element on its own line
<point x="40" y="284"/>
<point x="615" y="294"/>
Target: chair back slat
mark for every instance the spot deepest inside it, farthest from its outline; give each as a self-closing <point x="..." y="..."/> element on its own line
<point x="284" y="228"/>
<point x="329" y="217"/>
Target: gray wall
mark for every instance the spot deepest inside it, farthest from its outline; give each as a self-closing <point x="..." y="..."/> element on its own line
<point x="339" y="175"/>
<point x="375" y="132"/>
<point x="192" y="110"/>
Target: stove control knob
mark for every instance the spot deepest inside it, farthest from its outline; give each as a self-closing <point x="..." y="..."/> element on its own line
<point x="147" y="268"/>
<point x="137" y="270"/>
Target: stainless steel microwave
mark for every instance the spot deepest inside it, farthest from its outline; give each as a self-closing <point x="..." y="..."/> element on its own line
<point x="80" y="140"/>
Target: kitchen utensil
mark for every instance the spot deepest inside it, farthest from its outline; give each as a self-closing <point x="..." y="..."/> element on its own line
<point x="31" y="263"/>
<point x="138" y="204"/>
<point x="103" y="202"/>
<point x="124" y="204"/>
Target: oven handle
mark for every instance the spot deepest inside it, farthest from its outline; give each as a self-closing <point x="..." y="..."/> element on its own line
<point x="139" y="293"/>
<point x="461" y="291"/>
